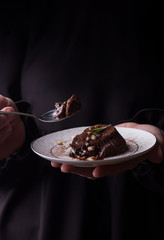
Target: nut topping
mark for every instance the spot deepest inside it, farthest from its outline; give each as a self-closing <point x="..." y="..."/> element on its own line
<point x="91" y="148"/>
<point x="93" y="137"/>
<point x="87" y="139"/>
<point x="60" y="142"/>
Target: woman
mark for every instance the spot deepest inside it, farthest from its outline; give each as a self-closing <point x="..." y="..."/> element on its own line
<point x="111" y="57"/>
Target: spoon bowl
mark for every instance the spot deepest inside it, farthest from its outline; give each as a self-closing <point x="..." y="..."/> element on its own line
<point x="46" y="117"/>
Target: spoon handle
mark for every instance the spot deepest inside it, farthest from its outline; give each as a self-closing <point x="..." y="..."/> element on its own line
<point x="19" y="113"/>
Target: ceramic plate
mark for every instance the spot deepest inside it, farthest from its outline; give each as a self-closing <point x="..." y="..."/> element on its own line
<point x="55" y="147"/>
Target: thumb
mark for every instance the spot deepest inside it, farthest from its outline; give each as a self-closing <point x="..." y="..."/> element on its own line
<point x="156" y="154"/>
<point x="11" y="117"/>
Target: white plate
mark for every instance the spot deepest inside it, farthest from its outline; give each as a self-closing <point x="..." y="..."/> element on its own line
<point x="138" y="141"/>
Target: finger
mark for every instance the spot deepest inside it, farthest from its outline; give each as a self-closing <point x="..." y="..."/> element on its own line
<point x="55" y="164"/>
<point x="109" y="170"/>
<point x="156" y="154"/>
<point x="10" y="117"/>
<point x="82" y="171"/>
<point x="5" y="119"/>
<point x="7" y="102"/>
<point x="3" y="102"/>
<point x="5" y="133"/>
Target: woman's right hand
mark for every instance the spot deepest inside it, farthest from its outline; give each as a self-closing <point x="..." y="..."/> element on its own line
<point x="12" y="130"/>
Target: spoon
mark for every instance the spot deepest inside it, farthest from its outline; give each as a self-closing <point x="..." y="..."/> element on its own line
<point x="46" y="117"/>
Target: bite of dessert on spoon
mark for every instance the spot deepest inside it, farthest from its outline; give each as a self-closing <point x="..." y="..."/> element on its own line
<point x="61" y="111"/>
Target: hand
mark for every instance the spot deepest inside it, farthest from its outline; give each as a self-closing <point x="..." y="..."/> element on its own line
<point x="12" y="131"/>
<point x="155" y="156"/>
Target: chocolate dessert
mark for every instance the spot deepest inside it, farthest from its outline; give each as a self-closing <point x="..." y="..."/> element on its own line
<point x="98" y="141"/>
<point x="67" y="108"/>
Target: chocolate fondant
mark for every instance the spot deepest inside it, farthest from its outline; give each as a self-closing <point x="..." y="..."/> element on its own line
<point x="67" y="108"/>
<point x="98" y="141"/>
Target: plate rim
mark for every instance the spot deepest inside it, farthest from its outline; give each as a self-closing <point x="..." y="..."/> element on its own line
<point x="91" y="163"/>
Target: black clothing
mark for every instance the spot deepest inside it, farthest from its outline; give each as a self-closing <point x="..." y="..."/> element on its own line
<point x="111" y="57"/>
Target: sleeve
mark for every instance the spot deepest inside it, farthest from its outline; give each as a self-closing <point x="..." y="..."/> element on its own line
<point x="24" y="162"/>
<point x="149" y="175"/>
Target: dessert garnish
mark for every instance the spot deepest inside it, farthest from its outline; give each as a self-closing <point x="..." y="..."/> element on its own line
<point x="97" y="130"/>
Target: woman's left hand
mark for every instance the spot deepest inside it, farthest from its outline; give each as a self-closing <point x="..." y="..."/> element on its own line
<point x="154" y="156"/>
